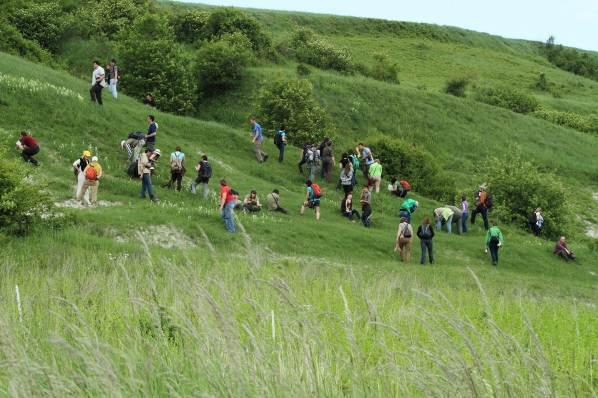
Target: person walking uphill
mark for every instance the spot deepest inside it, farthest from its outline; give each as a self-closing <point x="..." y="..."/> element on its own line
<point x="482" y="204"/>
<point x="257" y="139"/>
<point x="29" y="148"/>
<point x="407" y="208"/>
<point x="98" y="82"/>
<point x="312" y="198"/>
<point x="227" y="205"/>
<point x="367" y="156"/>
<point x="204" y="173"/>
<point x="113" y="78"/>
<point x="375" y="175"/>
<point x="93" y="173"/>
<point x="444" y="215"/>
<point x="366" y="207"/>
<point x="425" y="233"/>
<point x="145" y="173"/>
<point x="494" y="241"/>
<point x="404" y="237"/>
<point x="280" y="140"/>
<point x="177" y="168"/>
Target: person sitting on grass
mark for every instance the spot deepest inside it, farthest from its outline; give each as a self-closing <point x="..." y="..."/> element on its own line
<point x="562" y="250"/>
<point x="312" y="198"/>
<point x="273" y="202"/>
<point x="347" y="209"/>
<point x="251" y="203"/>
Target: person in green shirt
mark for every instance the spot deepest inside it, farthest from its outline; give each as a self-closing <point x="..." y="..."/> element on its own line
<point x="407" y="208"/>
<point x="375" y="176"/>
<point x="494" y="241"/>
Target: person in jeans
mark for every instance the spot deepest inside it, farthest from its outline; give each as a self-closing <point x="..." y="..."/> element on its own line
<point x="281" y="142"/>
<point x="97" y="83"/>
<point x="425" y="233"/>
<point x="145" y="173"/>
<point x="273" y="202"/>
<point x="407" y="208"/>
<point x="367" y="158"/>
<point x="494" y="241"/>
<point x="204" y="173"/>
<point x="481" y="207"/>
<point x="464" y="213"/>
<point x="444" y="214"/>
<point x="152" y="130"/>
<point x="257" y="139"/>
<point x="227" y="205"/>
<point x="29" y="148"/>
<point x="113" y="78"/>
<point x="403" y="242"/>
<point x="375" y="175"/>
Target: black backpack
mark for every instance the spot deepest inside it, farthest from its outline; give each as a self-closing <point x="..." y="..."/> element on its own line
<point x="426" y="234"/>
<point x="277" y="139"/>
<point x="136" y="135"/>
<point x="206" y="170"/>
<point x="488" y="202"/>
<point x="132" y="170"/>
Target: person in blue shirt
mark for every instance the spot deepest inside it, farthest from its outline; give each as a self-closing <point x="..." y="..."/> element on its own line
<point x="152" y="129"/>
<point x="311" y="199"/>
<point x="281" y="142"/>
<point x="257" y="138"/>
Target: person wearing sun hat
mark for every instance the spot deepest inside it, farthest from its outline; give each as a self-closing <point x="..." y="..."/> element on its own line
<point x="92" y="174"/>
<point x="78" y="167"/>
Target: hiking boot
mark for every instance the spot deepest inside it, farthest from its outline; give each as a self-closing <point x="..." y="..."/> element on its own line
<point x="265" y="157"/>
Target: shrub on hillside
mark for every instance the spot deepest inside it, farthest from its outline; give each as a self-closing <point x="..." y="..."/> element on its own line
<point x="13" y="42"/>
<point x="507" y="98"/>
<point x="292" y="103"/>
<point x="518" y="187"/>
<point x="22" y="204"/>
<point x="312" y="50"/>
<point x="416" y="165"/>
<point x="226" y="21"/>
<point x="220" y="64"/>
<point x="456" y="87"/>
<point x="384" y="69"/>
<point x="303" y="70"/>
<point x="190" y="26"/>
<point x="40" y="22"/>
<point x="156" y="64"/>
<point x="569" y="119"/>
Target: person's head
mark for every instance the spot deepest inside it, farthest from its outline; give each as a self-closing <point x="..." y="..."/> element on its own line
<point x="24" y="134"/>
<point x="538" y="210"/>
<point x="223" y="182"/>
<point x="426" y="221"/>
<point x="366" y="189"/>
<point x="360" y="145"/>
<point x="151" y="118"/>
<point x="94" y="159"/>
<point x="403" y="219"/>
<point x="113" y="61"/>
<point x="283" y="128"/>
<point x="96" y="64"/>
<point x="329" y="143"/>
<point x="483" y="187"/>
<point x="562" y="239"/>
<point x="108" y="66"/>
<point x="252" y="121"/>
<point x="275" y="191"/>
<point x="463" y="198"/>
<point x="308" y="183"/>
<point x="86" y="154"/>
<point x="178" y="149"/>
<point x="345" y="155"/>
<point x="393" y="180"/>
<point x="494" y="223"/>
<point x="377" y="161"/>
<point x="204" y="157"/>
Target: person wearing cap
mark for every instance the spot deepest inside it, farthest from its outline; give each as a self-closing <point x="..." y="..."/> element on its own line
<point x="562" y="250"/>
<point x="145" y="167"/>
<point x="481" y="206"/>
<point x="79" y="166"/>
<point x="92" y="175"/>
<point x="273" y="202"/>
<point x="228" y="201"/>
<point x="407" y="208"/>
<point x="251" y="203"/>
<point x="403" y="242"/>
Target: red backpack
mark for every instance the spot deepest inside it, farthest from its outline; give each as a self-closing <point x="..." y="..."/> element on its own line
<point x="91" y="173"/>
<point x="405" y="185"/>
<point x="317" y="191"/>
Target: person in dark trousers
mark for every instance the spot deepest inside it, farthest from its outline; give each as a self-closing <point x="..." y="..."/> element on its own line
<point x="177" y="168"/>
<point x="494" y="241"/>
<point x="347" y="209"/>
<point x="346" y="178"/>
<point x="29" y="148"/>
<point x="281" y="142"/>
<point x="328" y="161"/>
<point x="97" y="83"/>
<point x="273" y="202"/>
<point x="562" y="250"/>
<point x="152" y="130"/>
<point x="464" y="213"/>
<point x="366" y="207"/>
<point x="204" y="173"/>
<point x="481" y="206"/>
<point x="425" y="233"/>
<point x="536" y="221"/>
<point x="320" y="148"/>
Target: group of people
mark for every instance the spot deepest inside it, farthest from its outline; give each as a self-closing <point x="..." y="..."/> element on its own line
<point x="102" y="78"/>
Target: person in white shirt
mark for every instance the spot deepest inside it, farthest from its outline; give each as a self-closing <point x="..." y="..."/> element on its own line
<point x="113" y="78"/>
<point x="97" y="83"/>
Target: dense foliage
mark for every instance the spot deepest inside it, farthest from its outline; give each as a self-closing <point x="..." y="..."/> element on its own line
<point x="383" y="69"/>
<point x="518" y="187"/>
<point x="313" y="50"/>
<point x="292" y="103"/>
<point x="507" y="98"/>
<point x="190" y="26"/>
<point x="226" y="21"/>
<point x="456" y="87"/>
<point x="40" y="22"/>
<point x="571" y="60"/>
<point x="573" y="120"/>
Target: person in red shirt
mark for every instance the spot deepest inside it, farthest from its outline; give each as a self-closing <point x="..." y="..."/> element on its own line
<point x="30" y="148"/>
<point x="227" y="205"/>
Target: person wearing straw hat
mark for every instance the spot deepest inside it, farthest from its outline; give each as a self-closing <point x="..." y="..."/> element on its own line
<point x="92" y="174"/>
<point x="79" y="166"/>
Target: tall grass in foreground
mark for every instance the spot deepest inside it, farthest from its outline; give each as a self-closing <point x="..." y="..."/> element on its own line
<point x="265" y="325"/>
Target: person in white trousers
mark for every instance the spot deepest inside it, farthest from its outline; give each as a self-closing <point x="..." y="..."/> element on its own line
<point x="113" y="78"/>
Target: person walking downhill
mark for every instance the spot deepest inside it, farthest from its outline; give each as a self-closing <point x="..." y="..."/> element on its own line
<point x="273" y="202"/>
<point x="152" y="131"/>
<point x="97" y="83"/>
<point x="404" y="237"/>
<point x="366" y="207"/>
<point x="93" y="173"/>
<point x="375" y="175"/>
<point x="280" y="140"/>
<point x="481" y="203"/>
<point x="257" y="139"/>
<point x="464" y="213"/>
<point x="494" y="241"/>
<point x="29" y="148"/>
<point x="312" y="198"/>
<point x="79" y="167"/>
<point x="425" y="233"/>
<point x="366" y="156"/>
<point x="204" y="173"/>
<point x="113" y="78"/>
<point x="327" y="161"/>
<point x="227" y="205"/>
<point x="177" y="168"/>
<point x="145" y="174"/>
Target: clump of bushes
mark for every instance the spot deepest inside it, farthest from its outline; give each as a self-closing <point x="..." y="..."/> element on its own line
<point x="313" y="50"/>
<point x="292" y="103"/>
<point x="42" y="23"/>
<point x="303" y="70"/>
<point x="518" y="187"/>
<point x="226" y="21"/>
<point x="190" y="26"/>
<point x="507" y="98"/>
<point x="383" y="69"/>
<point x="416" y="165"/>
<point x="571" y="60"/>
<point x="569" y="119"/>
<point x="456" y="87"/>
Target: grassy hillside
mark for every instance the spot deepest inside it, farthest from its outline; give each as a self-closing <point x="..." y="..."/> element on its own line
<point x="146" y="299"/>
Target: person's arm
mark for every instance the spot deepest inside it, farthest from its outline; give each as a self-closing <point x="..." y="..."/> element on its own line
<point x="500" y="237"/>
<point x="487" y="237"/>
<point x="222" y="200"/>
<point x="431" y="231"/>
<point x="115" y="71"/>
<point x="257" y="201"/>
<point x="419" y="232"/>
<point x="99" y="77"/>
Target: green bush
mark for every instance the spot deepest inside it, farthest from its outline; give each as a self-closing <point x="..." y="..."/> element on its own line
<point x="569" y="119"/>
<point x="13" y="42"/>
<point x="292" y="103"/>
<point x="156" y="64"/>
<point x="507" y="98"/>
<point x="190" y="26"/>
<point x="226" y="21"/>
<point x="315" y="51"/>
<point x="40" y="22"/>
<point x="22" y="204"/>
<point x="518" y="187"/>
<point x="220" y="64"/>
<point x="456" y="87"/>
<point x="384" y="69"/>
<point x="415" y="164"/>
<point x="303" y="70"/>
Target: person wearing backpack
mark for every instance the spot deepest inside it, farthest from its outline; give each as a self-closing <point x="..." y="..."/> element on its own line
<point x="346" y="178"/>
<point x="313" y="161"/>
<point x="273" y="202"/>
<point x="444" y="215"/>
<point x="407" y="208"/>
<point x="92" y="172"/>
<point x="257" y="137"/>
<point x="204" y="173"/>
<point x="347" y="209"/>
<point x="304" y="156"/>
<point x="481" y="206"/>
<point x="144" y="169"/>
<point x="366" y="207"/>
<point x="228" y="201"/>
<point x="425" y="233"/>
<point x="79" y="166"/>
<point x="177" y="168"/>
<point x="404" y="238"/>
<point x="494" y="241"/>
<point x="327" y="160"/>
<point x="312" y="198"/>
<point x="280" y="140"/>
